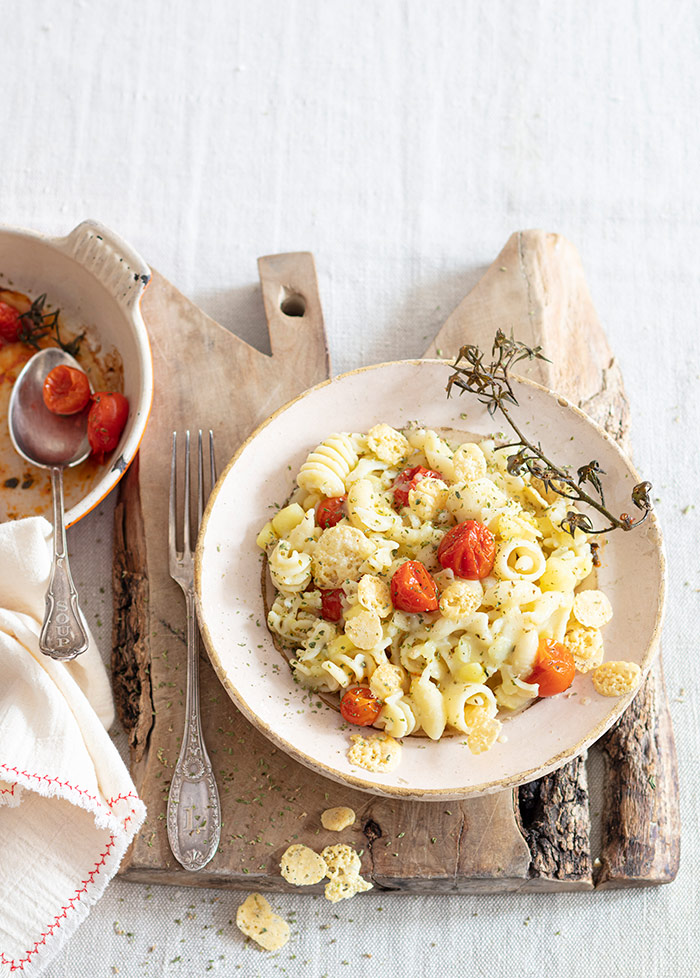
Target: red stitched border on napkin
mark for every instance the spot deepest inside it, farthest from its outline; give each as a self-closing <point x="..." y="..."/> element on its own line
<point x="18" y="965"/>
<point x="43" y="778"/>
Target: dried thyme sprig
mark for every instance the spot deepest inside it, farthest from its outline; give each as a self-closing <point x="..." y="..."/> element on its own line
<point x="37" y="324"/>
<point x="491" y="383"/>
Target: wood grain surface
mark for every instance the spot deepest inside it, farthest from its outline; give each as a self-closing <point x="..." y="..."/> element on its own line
<point x="537" y="839"/>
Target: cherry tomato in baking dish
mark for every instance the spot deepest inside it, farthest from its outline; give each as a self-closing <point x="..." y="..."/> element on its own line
<point x="360" y="706"/>
<point x="106" y="420"/>
<point x="330" y="511"/>
<point x="468" y="550"/>
<point x="409" y="479"/>
<point x="10" y="323"/>
<point x="66" y="390"/>
<point x="332" y="603"/>
<point x="554" y="668"/>
<point x="413" y="589"/>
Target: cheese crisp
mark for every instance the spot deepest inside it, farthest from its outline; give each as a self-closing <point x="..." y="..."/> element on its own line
<point x="257" y="921"/>
<point x="337" y="819"/>
<point x="344" y="873"/>
<point x="378" y="754"/>
<point x="302" y="866"/>
<point x="616" y="678"/>
<point x="430" y="588"/>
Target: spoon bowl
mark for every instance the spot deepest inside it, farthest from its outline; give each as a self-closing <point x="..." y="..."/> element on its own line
<point x="54" y="442"/>
<point x="40" y="436"/>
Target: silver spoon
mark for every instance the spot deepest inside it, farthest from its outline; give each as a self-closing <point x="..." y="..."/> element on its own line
<point x="54" y="442"/>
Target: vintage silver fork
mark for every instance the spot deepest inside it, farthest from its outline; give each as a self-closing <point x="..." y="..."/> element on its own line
<point x="194" y="810"/>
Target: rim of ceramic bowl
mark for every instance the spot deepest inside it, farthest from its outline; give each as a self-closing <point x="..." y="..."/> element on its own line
<point x="395" y="791"/>
<point x="94" y="248"/>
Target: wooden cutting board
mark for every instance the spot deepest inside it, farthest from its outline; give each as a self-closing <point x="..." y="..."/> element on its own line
<point x="536" y="838"/>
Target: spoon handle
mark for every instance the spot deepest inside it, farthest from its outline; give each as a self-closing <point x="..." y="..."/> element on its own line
<point x="63" y="634"/>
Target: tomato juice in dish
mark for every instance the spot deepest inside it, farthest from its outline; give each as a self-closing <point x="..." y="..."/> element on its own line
<point x="427" y="587"/>
<point x="25" y="489"/>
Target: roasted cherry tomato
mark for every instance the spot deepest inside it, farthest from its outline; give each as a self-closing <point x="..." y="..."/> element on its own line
<point x="66" y="390"/>
<point x="468" y="550"/>
<point x="10" y="323"/>
<point x="554" y="668"/>
<point x="106" y="421"/>
<point x="332" y="603"/>
<point x="413" y="589"/>
<point x="409" y="479"/>
<point x="360" y="706"/>
<point x="330" y="511"/>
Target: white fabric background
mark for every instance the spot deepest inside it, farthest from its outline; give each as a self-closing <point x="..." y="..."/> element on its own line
<point x="401" y="142"/>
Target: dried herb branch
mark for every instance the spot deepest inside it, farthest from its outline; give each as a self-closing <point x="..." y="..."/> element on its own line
<point x="37" y="324"/>
<point x="491" y="383"/>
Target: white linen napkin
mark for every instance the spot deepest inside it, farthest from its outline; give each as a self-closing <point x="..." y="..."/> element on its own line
<point x="68" y="807"/>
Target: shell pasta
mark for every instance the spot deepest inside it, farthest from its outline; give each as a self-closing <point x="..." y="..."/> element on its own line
<point x="414" y="565"/>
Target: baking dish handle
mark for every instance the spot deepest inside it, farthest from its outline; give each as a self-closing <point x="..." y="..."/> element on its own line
<point x="105" y="255"/>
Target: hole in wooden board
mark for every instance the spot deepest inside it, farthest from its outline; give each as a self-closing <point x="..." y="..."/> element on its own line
<point x="292" y="304"/>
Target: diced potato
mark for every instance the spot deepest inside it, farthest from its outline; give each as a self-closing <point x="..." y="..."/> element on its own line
<point x="266" y="536"/>
<point x="287" y="518"/>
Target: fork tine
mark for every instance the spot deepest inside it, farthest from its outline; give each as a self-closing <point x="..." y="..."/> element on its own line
<point x="203" y="492"/>
<point x="186" y="512"/>
<point x="212" y="460"/>
<point x="200" y="480"/>
<point x="172" y="514"/>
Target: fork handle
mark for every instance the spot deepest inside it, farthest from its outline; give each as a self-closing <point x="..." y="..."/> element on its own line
<point x="194" y="810"/>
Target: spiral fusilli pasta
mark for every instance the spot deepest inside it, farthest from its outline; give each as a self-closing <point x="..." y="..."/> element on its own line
<point x="328" y="466"/>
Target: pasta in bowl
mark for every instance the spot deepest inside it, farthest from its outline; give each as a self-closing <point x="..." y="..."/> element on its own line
<point x="436" y="598"/>
<point x="412" y="570"/>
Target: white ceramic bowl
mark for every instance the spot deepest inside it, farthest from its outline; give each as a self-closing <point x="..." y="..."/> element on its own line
<point x="97" y="280"/>
<point x="230" y="606"/>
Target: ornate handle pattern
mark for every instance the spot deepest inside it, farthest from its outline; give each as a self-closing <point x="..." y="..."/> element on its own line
<point x="194" y="810"/>
<point x="63" y="634"/>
